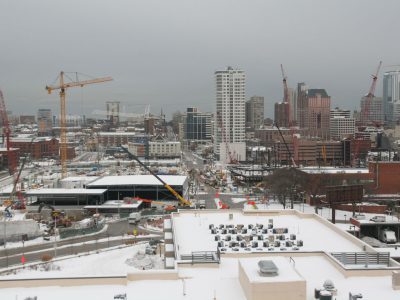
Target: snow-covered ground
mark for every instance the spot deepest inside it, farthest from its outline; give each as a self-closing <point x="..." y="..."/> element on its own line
<point x="108" y="263"/>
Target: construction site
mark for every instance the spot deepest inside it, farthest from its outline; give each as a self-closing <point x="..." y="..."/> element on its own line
<point x="168" y="174"/>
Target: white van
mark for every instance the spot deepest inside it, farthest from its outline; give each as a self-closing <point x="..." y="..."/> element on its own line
<point x="134" y="217"/>
<point x="388" y="236"/>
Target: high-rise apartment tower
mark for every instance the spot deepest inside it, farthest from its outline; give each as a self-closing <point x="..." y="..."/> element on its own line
<point x="230" y="113"/>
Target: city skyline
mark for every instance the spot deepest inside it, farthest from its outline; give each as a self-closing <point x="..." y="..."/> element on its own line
<point x="150" y="63"/>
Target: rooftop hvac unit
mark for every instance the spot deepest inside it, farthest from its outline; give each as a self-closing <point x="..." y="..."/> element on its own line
<point x="325" y="295"/>
<point x="239" y="226"/>
<point x="221" y="226"/>
<point x="244" y="230"/>
<point x="355" y="296"/>
<point x="265" y="231"/>
<point x="228" y="238"/>
<point x="292" y="237"/>
<point x="214" y="231"/>
<point x="267" y="268"/>
<point x="233" y="244"/>
<point x="230" y="216"/>
<point x="250" y="226"/>
<point x="217" y="238"/>
<point x="260" y="226"/>
<point x="211" y="226"/>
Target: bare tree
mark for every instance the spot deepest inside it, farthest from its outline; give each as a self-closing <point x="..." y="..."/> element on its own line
<point x="286" y="183"/>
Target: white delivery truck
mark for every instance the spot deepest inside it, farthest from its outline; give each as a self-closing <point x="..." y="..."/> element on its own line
<point x="134" y="217"/>
<point x="388" y="236"/>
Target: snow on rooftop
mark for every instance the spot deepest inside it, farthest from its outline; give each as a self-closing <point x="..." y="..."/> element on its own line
<point x="330" y="170"/>
<point x="79" y="178"/>
<point x="138" y="180"/>
<point x="315" y="232"/>
<point x="286" y="272"/>
<point x="65" y="192"/>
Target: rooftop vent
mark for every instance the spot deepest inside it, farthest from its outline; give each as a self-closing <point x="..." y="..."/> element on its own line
<point x="267" y="268"/>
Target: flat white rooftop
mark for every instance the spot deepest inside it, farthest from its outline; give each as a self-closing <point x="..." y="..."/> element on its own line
<point x="192" y="232"/>
<point x="79" y="178"/>
<point x="330" y="170"/>
<point x="138" y="180"/>
<point x="36" y="192"/>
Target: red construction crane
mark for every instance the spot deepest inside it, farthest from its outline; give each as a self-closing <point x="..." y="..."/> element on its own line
<point x="11" y="155"/>
<point x="365" y="117"/>
<point x="286" y="100"/>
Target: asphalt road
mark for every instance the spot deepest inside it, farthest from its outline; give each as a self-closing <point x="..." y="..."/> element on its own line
<point x="69" y="246"/>
<point x="9" y="259"/>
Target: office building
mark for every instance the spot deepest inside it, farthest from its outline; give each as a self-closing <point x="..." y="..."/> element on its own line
<point x="197" y="125"/>
<point x="338" y="112"/>
<point x="391" y="96"/>
<point x="372" y="112"/>
<point x="314" y="111"/>
<point x="113" y="112"/>
<point x="255" y="112"/>
<point x="45" y="121"/>
<point x="230" y="114"/>
<point x="301" y="104"/>
<point x="341" y="127"/>
<point x="281" y="114"/>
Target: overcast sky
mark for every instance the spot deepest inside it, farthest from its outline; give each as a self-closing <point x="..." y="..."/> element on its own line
<point x="164" y="52"/>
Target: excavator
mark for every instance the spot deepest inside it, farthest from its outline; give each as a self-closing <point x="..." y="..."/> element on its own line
<point x="57" y="217"/>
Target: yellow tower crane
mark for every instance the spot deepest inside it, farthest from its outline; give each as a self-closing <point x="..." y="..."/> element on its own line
<point x="62" y="86"/>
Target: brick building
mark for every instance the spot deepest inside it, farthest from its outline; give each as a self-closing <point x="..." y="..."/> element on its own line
<point x="386" y="177"/>
<point x="4" y="162"/>
<point x="41" y="147"/>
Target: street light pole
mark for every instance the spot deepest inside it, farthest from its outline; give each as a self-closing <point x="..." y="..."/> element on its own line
<point x="55" y="237"/>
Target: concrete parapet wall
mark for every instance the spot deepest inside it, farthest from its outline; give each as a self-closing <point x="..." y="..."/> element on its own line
<point x="15" y="229"/>
<point x="81" y="281"/>
<point x="396" y="280"/>
<point x="153" y="275"/>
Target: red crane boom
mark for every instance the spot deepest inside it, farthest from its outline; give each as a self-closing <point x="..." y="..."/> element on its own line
<point x="365" y="117"/>
<point x="11" y="157"/>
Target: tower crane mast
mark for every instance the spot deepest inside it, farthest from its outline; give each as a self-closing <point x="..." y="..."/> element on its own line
<point x="62" y="86"/>
<point x="371" y="94"/>
<point x="12" y="160"/>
